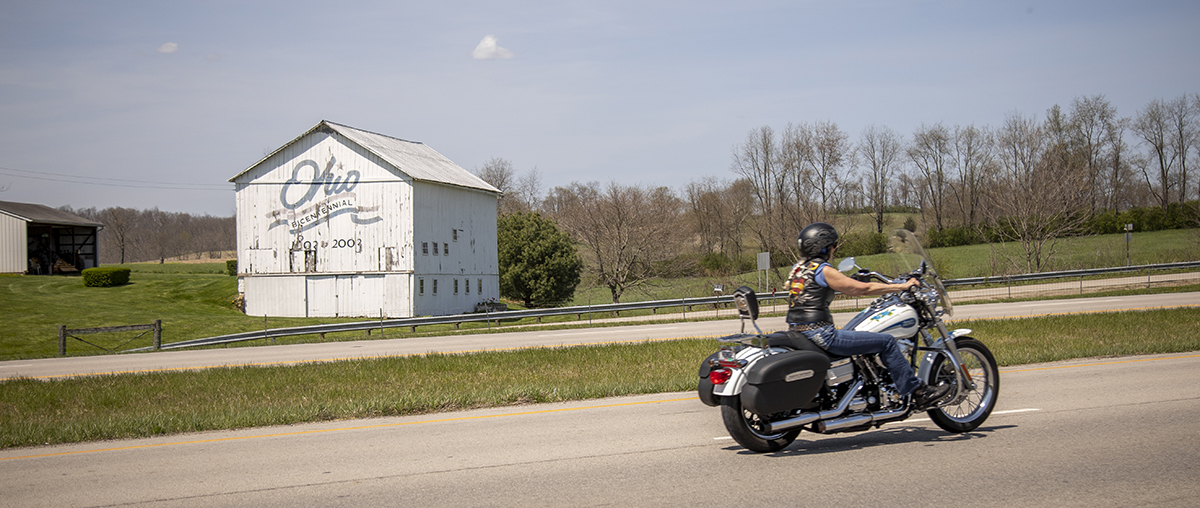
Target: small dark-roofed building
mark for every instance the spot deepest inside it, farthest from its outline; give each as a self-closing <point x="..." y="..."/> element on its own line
<point x="40" y="240"/>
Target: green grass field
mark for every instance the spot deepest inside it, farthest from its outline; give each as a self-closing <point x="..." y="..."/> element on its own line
<point x="195" y="300"/>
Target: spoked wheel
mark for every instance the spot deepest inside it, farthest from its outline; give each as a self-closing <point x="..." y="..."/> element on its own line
<point x="971" y="407"/>
<point x="747" y="428"/>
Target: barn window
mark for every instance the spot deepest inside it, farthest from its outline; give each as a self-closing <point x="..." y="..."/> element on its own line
<point x="467" y="285"/>
<point x="421" y="286"/>
<point x="445" y="249"/>
<point x="425" y="248"/>
<point x="434" y="248"/>
<point x="454" y="234"/>
<point x="435" y="284"/>
<point x="456" y="286"/>
<point x="479" y="286"/>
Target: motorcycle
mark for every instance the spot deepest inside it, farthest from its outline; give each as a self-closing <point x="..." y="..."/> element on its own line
<point x="771" y="386"/>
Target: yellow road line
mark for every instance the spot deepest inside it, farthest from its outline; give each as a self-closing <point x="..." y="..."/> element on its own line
<point x="340" y="429"/>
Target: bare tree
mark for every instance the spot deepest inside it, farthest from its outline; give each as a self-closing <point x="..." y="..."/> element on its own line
<point x="1182" y="114"/>
<point x="1092" y="119"/>
<point x="119" y="227"/>
<point x="756" y="160"/>
<point x="717" y="211"/>
<point x="498" y="172"/>
<point x="1153" y="127"/>
<point x="930" y="153"/>
<point x="797" y="204"/>
<point x="630" y="231"/>
<point x="974" y="155"/>
<point x="830" y="155"/>
<point x="1031" y="201"/>
<point x="879" y="148"/>
<point x="528" y="191"/>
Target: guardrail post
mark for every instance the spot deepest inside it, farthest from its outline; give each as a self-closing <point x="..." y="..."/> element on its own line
<point x="62" y="340"/>
<point x="157" y="334"/>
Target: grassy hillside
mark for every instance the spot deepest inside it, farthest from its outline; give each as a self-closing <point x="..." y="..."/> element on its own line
<point x="952" y="262"/>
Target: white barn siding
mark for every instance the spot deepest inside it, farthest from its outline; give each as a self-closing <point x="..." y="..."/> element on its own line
<point x="349" y="244"/>
<point x="14" y="256"/>
<point x="465" y="222"/>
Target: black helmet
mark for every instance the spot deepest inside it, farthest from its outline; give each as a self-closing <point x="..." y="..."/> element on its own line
<point x="815" y="238"/>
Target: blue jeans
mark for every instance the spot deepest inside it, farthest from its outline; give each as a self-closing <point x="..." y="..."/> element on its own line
<point x="850" y="342"/>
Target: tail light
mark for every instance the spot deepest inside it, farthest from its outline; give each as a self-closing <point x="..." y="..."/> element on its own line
<point x="719" y="376"/>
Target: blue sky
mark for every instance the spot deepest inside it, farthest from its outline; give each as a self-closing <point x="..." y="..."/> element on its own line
<point x="157" y="104"/>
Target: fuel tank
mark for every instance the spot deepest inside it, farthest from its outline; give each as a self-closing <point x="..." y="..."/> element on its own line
<point x="890" y="316"/>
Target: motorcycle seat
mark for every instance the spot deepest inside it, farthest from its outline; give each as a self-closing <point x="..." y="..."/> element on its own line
<point x="797" y="341"/>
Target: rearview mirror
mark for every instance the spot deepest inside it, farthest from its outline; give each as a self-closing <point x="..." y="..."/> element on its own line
<point x="847" y="265"/>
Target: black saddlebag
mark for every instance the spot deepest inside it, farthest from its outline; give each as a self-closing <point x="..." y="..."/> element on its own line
<point x="705" y="387"/>
<point x="784" y="381"/>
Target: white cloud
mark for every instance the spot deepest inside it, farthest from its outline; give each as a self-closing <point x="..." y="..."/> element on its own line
<point x="169" y="47"/>
<point x="489" y="50"/>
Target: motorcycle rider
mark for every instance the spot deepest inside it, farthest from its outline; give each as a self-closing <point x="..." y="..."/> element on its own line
<point x="811" y="286"/>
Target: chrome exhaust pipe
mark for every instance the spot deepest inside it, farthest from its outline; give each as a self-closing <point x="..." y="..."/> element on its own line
<point x="791" y="423"/>
<point x="807" y="418"/>
<point x="830" y="426"/>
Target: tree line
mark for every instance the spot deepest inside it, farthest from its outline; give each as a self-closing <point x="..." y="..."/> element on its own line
<point x="1027" y="182"/>
<point x="132" y="236"/>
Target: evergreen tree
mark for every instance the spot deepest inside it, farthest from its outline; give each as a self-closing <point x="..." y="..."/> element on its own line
<point x="539" y="265"/>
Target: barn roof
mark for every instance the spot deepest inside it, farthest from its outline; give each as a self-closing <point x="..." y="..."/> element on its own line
<point x="413" y="158"/>
<point x="43" y="214"/>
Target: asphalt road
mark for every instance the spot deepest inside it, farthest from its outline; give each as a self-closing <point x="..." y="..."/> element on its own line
<point x="1098" y="432"/>
<point x="330" y="351"/>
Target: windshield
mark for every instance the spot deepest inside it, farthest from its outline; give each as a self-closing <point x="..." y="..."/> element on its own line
<point x="909" y="255"/>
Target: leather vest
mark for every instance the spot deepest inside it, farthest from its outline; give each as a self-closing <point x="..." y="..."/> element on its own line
<point x="808" y="302"/>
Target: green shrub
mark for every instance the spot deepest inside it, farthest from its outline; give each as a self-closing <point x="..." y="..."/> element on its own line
<point x="862" y="244"/>
<point x="105" y="276"/>
<point x="231" y="267"/>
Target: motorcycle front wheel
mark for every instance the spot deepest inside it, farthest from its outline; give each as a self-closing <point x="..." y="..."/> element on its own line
<point x="747" y="428"/>
<point x="972" y="407"/>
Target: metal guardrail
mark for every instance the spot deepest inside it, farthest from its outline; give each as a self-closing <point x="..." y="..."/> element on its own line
<point x="1067" y="273"/>
<point x="615" y="309"/>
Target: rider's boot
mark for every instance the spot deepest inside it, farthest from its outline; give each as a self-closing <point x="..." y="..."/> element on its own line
<point x="926" y="397"/>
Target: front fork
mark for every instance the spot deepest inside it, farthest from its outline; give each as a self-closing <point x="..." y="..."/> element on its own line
<point x="964" y="381"/>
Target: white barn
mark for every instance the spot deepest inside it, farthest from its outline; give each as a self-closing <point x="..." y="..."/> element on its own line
<point x="345" y="222"/>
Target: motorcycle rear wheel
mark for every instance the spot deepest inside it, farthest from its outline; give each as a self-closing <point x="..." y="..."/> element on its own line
<point x="746" y="428"/>
<point x="975" y="405"/>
